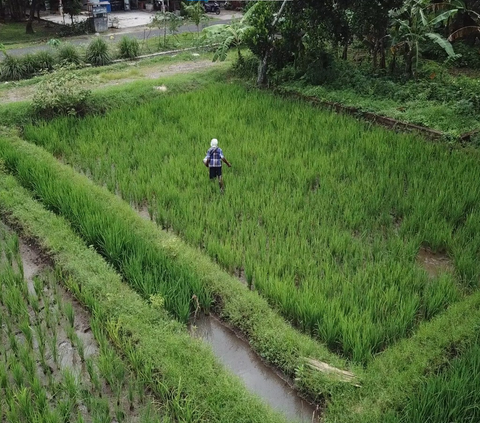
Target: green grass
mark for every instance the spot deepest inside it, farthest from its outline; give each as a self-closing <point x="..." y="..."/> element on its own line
<point x="324" y="215"/>
<point x="13" y="35"/>
<point x="453" y="393"/>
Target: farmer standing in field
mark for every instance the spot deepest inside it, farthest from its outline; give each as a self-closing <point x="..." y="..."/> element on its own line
<point x="213" y="160"/>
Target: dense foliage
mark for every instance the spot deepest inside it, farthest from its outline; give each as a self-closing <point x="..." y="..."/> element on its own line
<point x="395" y="32"/>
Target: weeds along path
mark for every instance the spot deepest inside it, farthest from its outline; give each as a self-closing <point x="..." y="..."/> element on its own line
<point x="179" y="371"/>
<point x="116" y="78"/>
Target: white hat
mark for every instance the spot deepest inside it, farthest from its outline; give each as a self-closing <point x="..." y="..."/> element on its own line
<point x="214" y="143"/>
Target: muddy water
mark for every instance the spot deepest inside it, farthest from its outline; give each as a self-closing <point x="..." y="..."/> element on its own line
<point x="33" y="264"/>
<point x="236" y="355"/>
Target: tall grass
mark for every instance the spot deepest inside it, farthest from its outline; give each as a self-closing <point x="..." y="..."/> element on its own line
<point x="452" y="394"/>
<point x="323" y="214"/>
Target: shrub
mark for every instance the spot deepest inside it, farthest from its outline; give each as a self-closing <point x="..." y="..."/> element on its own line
<point x="30" y="63"/>
<point x="68" y="54"/>
<point x="61" y="93"/>
<point x="248" y="68"/>
<point x="12" y="68"/>
<point x="45" y="60"/>
<point x="469" y="56"/>
<point x="97" y="53"/>
<point x="129" y="48"/>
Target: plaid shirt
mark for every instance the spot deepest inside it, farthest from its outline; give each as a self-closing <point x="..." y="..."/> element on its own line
<point x="216" y="155"/>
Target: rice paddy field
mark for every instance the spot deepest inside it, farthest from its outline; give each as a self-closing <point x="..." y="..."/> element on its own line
<point x="324" y="216"/>
<point x="365" y="241"/>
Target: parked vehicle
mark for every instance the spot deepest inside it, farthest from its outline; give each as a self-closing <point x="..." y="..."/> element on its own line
<point x="212" y="7"/>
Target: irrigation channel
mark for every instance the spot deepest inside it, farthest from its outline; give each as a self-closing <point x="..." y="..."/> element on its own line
<point x="236" y="355"/>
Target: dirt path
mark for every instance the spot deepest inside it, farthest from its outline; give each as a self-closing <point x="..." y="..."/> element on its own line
<point x="125" y="76"/>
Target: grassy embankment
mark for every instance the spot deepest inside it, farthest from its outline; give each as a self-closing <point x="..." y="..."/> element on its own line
<point x="179" y="370"/>
<point x="324" y="216"/>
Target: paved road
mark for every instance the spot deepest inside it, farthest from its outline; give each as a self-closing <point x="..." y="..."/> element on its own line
<point x="138" y="32"/>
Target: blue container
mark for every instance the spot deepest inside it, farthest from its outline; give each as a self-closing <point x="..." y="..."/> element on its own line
<point x="109" y="7"/>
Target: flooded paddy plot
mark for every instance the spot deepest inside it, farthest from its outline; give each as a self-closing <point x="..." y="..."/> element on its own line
<point x="55" y="360"/>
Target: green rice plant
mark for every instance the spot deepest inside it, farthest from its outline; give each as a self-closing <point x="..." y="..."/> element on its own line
<point x="65" y="408"/>
<point x="101" y="411"/>
<point x="27" y="332"/>
<point x="69" y="313"/>
<point x="70" y="385"/>
<point x="41" y="342"/>
<point x="48" y="314"/>
<point x="128" y="48"/>
<point x="119" y="415"/>
<point x="12" y="68"/>
<point x="92" y="373"/>
<point x="97" y="52"/>
<point x="13" y="343"/>
<point x="24" y="402"/>
<point x="40" y="396"/>
<point x="28" y="361"/>
<point x="38" y="284"/>
<point x="69" y="54"/>
<point x="131" y="394"/>
<point x="80" y="349"/>
<point x="53" y="344"/>
<point x="71" y="334"/>
<point x="3" y="376"/>
<point x="18" y="375"/>
<point x="34" y="303"/>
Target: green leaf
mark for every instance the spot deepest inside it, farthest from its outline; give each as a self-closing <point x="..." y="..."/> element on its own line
<point x="443" y="16"/>
<point x="442" y="42"/>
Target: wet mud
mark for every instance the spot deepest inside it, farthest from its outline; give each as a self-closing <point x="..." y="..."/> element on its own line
<point x="434" y="263"/>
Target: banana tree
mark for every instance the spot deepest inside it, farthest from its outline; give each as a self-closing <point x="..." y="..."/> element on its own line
<point x="414" y="24"/>
<point x="227" y="36"/>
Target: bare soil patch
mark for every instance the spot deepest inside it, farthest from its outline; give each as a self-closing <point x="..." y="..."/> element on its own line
<point x="434" y="263"/>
